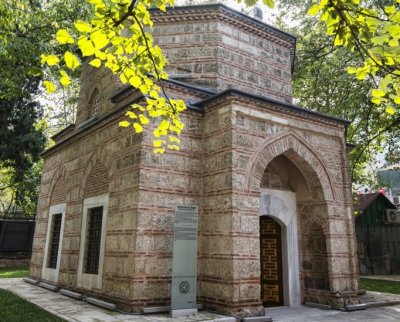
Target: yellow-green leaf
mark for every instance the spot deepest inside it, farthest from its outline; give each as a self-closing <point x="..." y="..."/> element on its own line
<point x="71" y="60"/>
<point x="173" y="147"/>
<point x="379" y="40"/>
<point x="43" y="58"/>
<point x="63" y="37"/>
<point x="50" y="88"/>
<point x="124" y="123"/>
<point x="135" y="81"/>
<point x="64" y="80"/>
<point x="396" y="99"/>
<point x="159" y="150"/>
<point x="86" y="46"/>
<point x="351" y="70"/>
<point x="174" y="139"/>
<point x="34" y="71"/>
<point x="269" y="3"/>
<point x="377" y="100"/>
<point x="361" y="73"/>
<point x="51" y="60"/>
<point x="250" y="3"/>
<point x="123" y="78"/>
<point x="313" y="10"/>
<point x="131" y="114"/>
<point x="83" y="26"/>
<point x="138" y="128"/>
<point x="158" y="143"/>
<point x="390" y="110"/>
<point x="390" y="10"/>
<point x="95" y="62"/>
<point x="393" y="42"/>
<point x="153" y="94"/>
<point x="378" y="93"/>
<point x="338" y="41"/>
<point x="99" y="39"/>
<point x="143" y="119"/>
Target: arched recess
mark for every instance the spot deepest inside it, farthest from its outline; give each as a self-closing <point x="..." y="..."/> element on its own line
<point x="95" y="191"/>
<point x="94" y="103"/>
<point x="294" y="187"/>
<point x="314" y="261"/>
<point x="59" y="189"/>
<point x="303" y="156"/>
<point x="100" y="164"/>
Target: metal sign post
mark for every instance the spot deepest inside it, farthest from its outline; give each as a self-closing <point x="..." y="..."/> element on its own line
<point x="184" y="268"/>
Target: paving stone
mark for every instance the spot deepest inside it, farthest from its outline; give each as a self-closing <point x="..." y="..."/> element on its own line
<point x="74" y="310"/>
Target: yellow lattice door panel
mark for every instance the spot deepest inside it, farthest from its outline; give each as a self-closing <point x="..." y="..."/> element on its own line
<point x="271" y="262"/>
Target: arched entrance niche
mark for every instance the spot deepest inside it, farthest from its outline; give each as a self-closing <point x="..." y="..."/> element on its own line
<point x="293" y="189"/>
<point x="95" y="190"/>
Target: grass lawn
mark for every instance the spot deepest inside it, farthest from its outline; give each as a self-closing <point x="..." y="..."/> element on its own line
<point x="14" y="272"/>
<point x="15" y="309"/>
<point x="380" y="286"/>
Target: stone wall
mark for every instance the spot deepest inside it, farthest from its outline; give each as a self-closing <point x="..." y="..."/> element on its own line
<point x="98" y="85"/>
<point x="143" y="189"/>
<point x="9" y="262"/>
<point x="252" y="138"/>
<point x="87" y="162"/>
<point x="224" y="49"/>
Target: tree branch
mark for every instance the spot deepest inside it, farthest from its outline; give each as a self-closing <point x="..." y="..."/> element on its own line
<point x="366" y="145"/>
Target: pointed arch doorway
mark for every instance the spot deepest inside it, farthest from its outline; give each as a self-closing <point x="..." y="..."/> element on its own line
<point x="271" y="262"/>
<point x="281" y="187"/>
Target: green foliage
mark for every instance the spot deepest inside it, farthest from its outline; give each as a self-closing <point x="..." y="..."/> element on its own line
<point x="374" y="32"/>
<point x="21" y="142"/>
<point x="392" y="156"/>
<point x="322" y="83"/>
<point x="15" y="309"/>
<point x="26" y="30"/>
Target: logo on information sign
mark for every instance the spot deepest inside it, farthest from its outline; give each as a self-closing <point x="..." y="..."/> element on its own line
<point x="184" y="287"/>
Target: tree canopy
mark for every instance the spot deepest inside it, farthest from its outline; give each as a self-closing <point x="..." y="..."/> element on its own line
<point x="26" y="30"/>
<point x="321" y="83"/>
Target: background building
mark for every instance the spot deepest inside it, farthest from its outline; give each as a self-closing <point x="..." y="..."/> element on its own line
<point x="378" y="234"/>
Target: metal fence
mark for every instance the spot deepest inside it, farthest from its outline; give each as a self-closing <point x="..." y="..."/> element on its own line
<point x="378" y="249"/>
<point x="16" y="234"/>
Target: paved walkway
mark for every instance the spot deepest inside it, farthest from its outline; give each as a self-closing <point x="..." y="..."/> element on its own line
<point x="305" y="314"/>
<point x="74" y="310"/>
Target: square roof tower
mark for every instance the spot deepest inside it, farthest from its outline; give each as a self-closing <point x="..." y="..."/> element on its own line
<point x="218" y="47"/>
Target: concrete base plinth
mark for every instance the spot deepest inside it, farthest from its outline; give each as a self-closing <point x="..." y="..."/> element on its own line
<point x="183" y="312"/>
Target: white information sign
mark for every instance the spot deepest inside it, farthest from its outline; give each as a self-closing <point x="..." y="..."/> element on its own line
<point x="184" y="268"/>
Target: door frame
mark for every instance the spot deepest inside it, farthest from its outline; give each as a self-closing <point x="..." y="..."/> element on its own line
<point x="282" y="207"/>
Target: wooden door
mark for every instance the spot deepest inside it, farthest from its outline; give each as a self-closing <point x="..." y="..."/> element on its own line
<point x="271" y="262"/>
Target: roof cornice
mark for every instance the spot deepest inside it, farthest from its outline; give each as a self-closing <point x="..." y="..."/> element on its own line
<point x="221" y="12"/>
<point x="205" y="10"/>
<point x="284" y="107"/>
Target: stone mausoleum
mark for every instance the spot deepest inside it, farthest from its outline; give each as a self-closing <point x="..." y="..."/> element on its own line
<point x="270" y="179"/>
